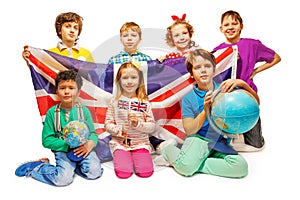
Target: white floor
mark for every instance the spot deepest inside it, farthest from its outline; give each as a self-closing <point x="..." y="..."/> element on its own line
<point x="272" y="173"/>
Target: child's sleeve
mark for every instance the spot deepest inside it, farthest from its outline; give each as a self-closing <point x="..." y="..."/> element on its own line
<point x="264" y="53"/>
<point x="110" y="122"/>
<point x="89" y="120"/>
<point x="186" y="108"/>
<point x="50" y="139"/>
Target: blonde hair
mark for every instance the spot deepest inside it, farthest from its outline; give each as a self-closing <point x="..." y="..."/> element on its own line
<point x="131" y="25"/>
<point x="140" y="91"/>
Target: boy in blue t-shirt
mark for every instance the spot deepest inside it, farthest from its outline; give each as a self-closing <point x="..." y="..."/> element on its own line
<point x="204" y="150"/>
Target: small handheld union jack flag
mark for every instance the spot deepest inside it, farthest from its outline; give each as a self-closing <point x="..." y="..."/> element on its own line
<point x="138" y="106"/>
<point x="123" y="104"/>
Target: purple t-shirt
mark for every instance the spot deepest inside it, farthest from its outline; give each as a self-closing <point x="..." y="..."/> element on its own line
<point x="251" y="51"/>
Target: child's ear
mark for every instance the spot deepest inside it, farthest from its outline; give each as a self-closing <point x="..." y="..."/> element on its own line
<point x="221" y="29"/>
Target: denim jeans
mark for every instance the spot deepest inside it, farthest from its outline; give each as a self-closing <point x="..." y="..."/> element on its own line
<point x="63" y="172"/>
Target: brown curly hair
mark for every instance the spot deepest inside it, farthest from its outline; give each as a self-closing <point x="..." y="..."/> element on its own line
<point x="67" y="17"/>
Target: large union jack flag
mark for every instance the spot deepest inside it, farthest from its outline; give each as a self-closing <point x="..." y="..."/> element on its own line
<point x="167" y="83"/>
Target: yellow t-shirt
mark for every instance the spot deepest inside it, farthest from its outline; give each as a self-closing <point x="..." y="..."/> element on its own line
<point x="78" y="53"/>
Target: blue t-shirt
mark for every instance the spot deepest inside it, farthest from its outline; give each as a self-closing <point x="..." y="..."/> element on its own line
<point x="192" y="104"/>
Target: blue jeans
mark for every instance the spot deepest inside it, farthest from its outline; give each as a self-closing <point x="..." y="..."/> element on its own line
<point x="63" y="173"/>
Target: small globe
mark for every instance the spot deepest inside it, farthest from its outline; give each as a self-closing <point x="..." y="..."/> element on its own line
<point x="76" y="133"/>
<point x="235" y="112"/>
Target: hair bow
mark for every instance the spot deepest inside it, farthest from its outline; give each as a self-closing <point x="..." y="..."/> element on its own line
<point x="175" y="18"/>
<point x="136" y="63"/>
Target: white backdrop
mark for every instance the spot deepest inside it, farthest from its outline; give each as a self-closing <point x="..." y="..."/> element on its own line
<point x="273" y="172"/>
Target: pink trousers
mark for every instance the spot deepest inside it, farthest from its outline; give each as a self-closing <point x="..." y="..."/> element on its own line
<point x="137" y="161"/>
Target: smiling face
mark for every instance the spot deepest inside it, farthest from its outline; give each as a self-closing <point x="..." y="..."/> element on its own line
<point x="181" y="37"/>
<point x="231" y="28"/>
<point x="69" y="33"/>
<point x="129" y="82"/>
<point x="67" y="91"/>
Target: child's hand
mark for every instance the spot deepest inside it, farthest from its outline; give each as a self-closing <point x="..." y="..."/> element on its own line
<point x="85" y="149"/>
<point x="207" y="100"/>
<point x="161" y="58"/>
<point x="133" y="120"/>
<point x="229" y="85"/>
<point x="125" y="128"/>
<point x="26" y="54"/>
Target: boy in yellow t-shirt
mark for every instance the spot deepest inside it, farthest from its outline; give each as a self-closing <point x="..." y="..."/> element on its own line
<point x="68" y="28"/>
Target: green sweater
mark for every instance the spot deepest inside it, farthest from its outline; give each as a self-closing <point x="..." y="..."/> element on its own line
<point x="50" y="139"/>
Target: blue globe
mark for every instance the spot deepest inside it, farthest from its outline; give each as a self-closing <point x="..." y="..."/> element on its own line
<point x="76" y="133"/>
<point x="235" y="112"/>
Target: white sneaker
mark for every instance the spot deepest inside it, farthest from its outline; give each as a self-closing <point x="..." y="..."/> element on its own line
<point x="242" y="147"/>
<point x="161" y="161"/>
<point x="164" y="144"/>
<point x="239" y="145"/>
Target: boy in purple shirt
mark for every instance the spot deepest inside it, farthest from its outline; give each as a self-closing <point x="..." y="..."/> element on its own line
<point x="251" y="51"/>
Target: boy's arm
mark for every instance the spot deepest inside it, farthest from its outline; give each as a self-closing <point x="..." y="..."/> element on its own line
<point x="87" y="147"/>
<point x="193" y="125"/>
<point x="230" y="84"/>
<point x="89" y="120"/>
<point x="49" y="137"/>
<point x="266" y="65"/>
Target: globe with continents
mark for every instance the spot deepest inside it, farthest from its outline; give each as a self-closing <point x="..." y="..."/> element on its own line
<point x="234" y="112"/>
<point x="76" y="133"/>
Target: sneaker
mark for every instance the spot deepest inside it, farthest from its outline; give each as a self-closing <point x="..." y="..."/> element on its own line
<point x="164" y="144"/>
<point x="239" y="145"/>
<point x="242" y="147"/>
<point x="161" y="161"/>
<point x="27" y="167"/>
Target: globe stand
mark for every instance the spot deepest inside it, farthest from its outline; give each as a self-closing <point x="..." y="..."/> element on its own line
<point x="220" y="146"/>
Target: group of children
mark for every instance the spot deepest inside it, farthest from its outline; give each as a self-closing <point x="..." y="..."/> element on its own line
<point x="203" y="150"/>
